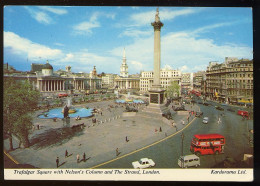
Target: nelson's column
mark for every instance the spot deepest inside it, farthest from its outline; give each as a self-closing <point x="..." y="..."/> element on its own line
<point x="156" y="92"/>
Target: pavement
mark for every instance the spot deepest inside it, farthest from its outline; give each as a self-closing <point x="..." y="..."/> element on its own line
<point x="98" y="141"/>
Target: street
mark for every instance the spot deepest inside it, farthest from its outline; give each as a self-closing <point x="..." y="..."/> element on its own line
<point x="166" y="153"/>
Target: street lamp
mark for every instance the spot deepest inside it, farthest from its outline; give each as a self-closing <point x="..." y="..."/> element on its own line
<point x="182" y="138"/>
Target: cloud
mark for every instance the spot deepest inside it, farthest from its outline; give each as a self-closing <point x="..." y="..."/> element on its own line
<point x="178" y="49"/>
<point x="59" y="44"/>
<point x="136" y="33"/>
<point x="86" y="27"/>
<point x="136" y="65"/>
<point x="39" y="16"/>
<point x="24" y="47"/>
<point x="144" y="18"/>
<point x="167" y="67"/>
<point x="184" y="68"/>
<point x="58" y="11"/>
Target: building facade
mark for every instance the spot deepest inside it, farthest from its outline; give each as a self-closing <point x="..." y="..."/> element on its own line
<point x="230" y="81"/>
<point x="108" y="81"/>
<point x="50" y="83"/>
<point x="124" y="81"/>
<point x="186" y="82"/>
<point x="199" y="79"/>
<point x="166" y="77"/>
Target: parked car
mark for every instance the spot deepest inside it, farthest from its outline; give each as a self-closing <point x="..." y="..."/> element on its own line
<point x="128" y="109"/>
<point x="243" y="113"/>
<point x="189" y="161"/>
<point x="63" y="95"/>
<point x="206" y="104"/>
<point x="199" y="102"/>
<point x="231" y="110"/>
<point x="219" y="108"/>
<point x="198" y="114"/>
<point x="230" y="163"/>
<point x="143" y="163"/>
<point x="182" y="108"/>
<point x="205" y="120"/>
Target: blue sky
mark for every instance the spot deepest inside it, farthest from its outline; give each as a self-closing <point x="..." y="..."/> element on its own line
<point x="86" y="36"/>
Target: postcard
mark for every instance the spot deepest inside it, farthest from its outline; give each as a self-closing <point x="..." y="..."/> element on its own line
<point x="128" y="93"/>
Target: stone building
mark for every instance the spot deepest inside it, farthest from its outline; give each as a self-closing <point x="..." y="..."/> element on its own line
<point x="186" y="82"/>
<point x="199" y="81"/>
<point x="108" y="81"/>
<point x="50" y="83"/>
<point x="126" y="82"/>
<point x="230" y="81"/>
<point x="166" y="77"/>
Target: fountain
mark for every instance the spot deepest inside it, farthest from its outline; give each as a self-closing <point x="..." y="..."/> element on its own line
<point x="69" y="105"/>
<point x="73" y="112"/>
<point x="128" y="99"/>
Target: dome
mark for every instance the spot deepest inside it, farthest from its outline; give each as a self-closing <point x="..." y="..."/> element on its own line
<point x="47" y="66"/>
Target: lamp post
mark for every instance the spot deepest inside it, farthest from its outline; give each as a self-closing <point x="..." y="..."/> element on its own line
<point x="182" y="138"/>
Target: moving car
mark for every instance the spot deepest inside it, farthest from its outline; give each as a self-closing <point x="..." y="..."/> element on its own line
<point x="219" y="108"/>
<point x="143" y="163"/>
<point x="205" y="120"/>
<point x="206" y="104"/>
<point x="198" y="114"/>
<point x="189" y="161"/>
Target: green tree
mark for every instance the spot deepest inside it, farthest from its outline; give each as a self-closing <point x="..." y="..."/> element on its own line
<point x="19" y="101"/>
<point x="173" y="89"/>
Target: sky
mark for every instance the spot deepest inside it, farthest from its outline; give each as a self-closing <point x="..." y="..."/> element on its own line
<point x="87" y="36"/>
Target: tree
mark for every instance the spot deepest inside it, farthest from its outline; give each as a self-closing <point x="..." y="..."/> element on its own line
<point x="173" y="89"/>
<point x="19" y="101"/>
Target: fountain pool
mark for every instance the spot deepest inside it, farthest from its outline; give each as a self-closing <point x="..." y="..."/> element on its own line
<point x="129" y="101"/>
<point x="57" y="113"/>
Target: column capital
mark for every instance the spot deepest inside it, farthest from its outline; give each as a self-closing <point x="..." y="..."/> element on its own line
<point x="157" y="25"/>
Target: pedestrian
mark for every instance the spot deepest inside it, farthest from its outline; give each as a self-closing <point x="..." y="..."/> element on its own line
<point x="66" y="153"/>
<point x="77" y="158"/>
<point x="160" y="129"/>
<point x="84" y="157"/>
<point x="183" y="122"/>
<point x="101" y="113"/>
<point x="126" y="139"/>
<point x="38" y="127"/>
<point x="116" y="151"/>
<point x="57" y="162"/>
<point x="219" y="121"/>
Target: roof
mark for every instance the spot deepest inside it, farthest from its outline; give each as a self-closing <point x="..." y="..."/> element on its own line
<point x="47" y="66"/>
<point x="205" y="136"/>
<point x="192" y="156"/>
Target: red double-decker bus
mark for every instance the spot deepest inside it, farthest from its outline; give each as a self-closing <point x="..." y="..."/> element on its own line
<point x="202" y="144"/>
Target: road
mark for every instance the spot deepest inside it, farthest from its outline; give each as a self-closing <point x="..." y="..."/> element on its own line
<point x="166" y="153"/>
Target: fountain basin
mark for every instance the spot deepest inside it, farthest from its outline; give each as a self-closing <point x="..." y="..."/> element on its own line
<point x="57" y="113"/>
<point x="129" y="101"/>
